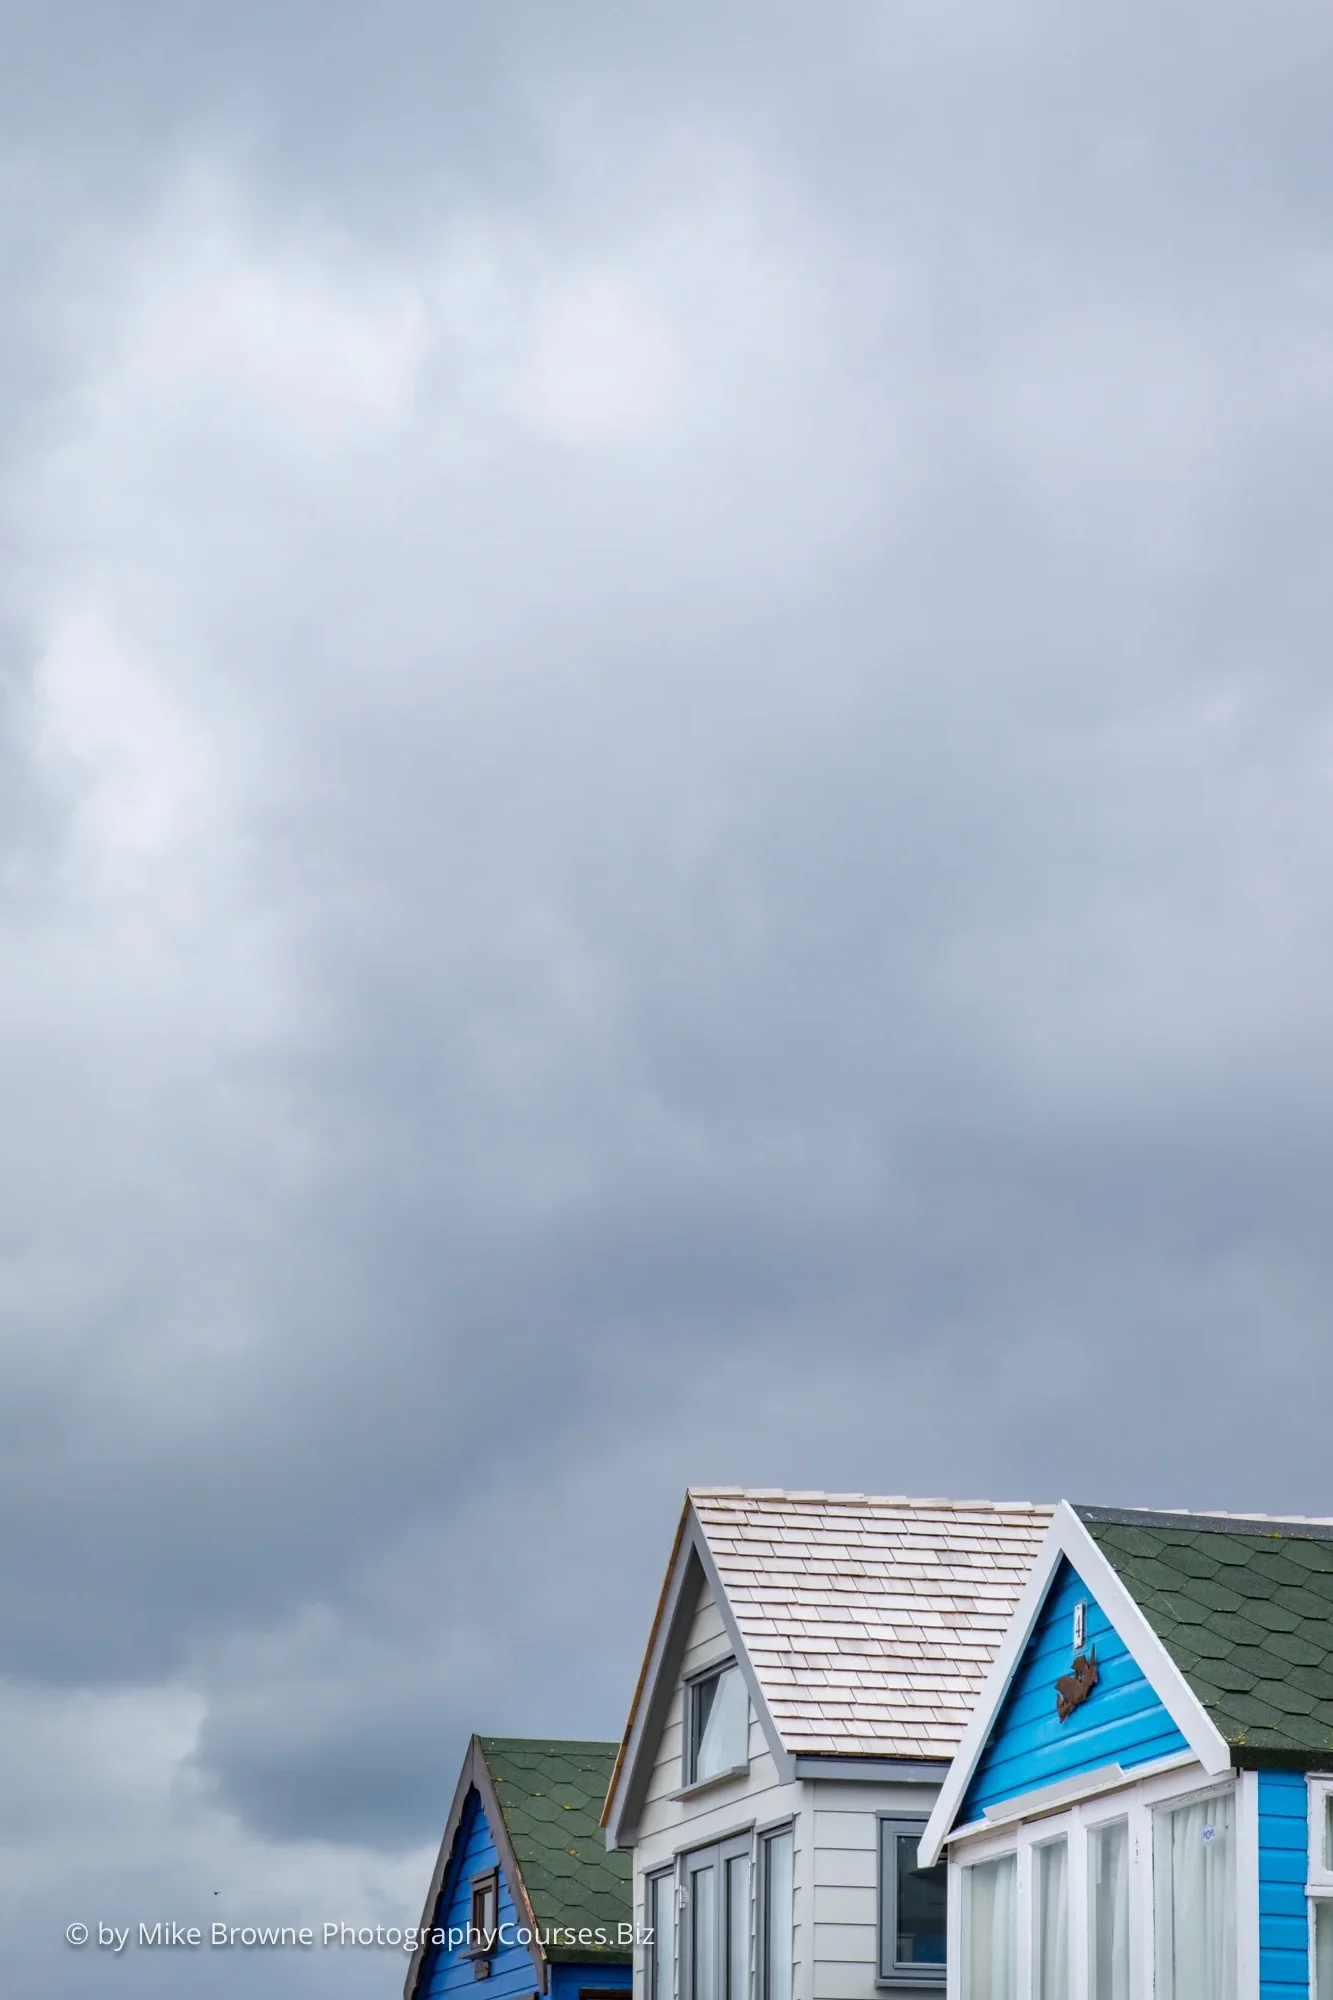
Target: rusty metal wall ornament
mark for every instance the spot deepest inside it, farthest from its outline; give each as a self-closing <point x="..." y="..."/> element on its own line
<point x="1073" y="1689"/>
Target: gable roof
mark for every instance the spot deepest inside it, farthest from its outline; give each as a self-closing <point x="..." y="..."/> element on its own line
<point x="864" y="1624"/>
<point x="550" y="1794"/>
<point x="1245" y="1609"/>
<point x="541" y="1798"/>
<point x="1229" y="1616"/>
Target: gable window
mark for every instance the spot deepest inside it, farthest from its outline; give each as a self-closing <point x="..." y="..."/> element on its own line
<point x="717" y="1724"/>
<point x="777" y="1914"/>
<point x="483" y="1920"/>
<point x="1194" y="1898"/>
<point x="912" y="1927"/>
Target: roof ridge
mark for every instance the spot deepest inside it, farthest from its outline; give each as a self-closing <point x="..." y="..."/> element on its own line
<point x="900" y="1500"/>
<point x="1218" y="1519"/>
<point x="551" y="1742"/>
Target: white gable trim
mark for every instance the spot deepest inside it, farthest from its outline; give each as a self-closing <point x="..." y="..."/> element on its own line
<point x="1067" y="1537"/>
<point x="691" y="1563"/>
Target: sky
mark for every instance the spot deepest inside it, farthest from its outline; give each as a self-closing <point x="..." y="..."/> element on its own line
<point x="666" y="762"/>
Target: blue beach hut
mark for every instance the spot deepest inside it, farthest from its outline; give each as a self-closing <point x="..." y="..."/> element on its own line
<point x="525" y="1894"/>
<point x="1141" y="1807"/>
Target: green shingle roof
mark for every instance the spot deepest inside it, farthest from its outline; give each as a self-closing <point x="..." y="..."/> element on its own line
<point x="1246" y="1613"/>
<point x="551" y="1795"/>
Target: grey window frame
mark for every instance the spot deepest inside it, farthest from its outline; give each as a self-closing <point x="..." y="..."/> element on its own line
<point x="716" y="1854"/>
<point x="669" y="1875"/>
<point x="481" y="1954"/>
<point x="760" y="1892"/>
<point x="689" y="1734"/>
<point x="889" y="1971"/>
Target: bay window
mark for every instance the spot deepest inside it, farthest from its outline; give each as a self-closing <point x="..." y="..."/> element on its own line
<point x="1319" y="1883"/>
<point x="1194" y="1863"/>
<point x="1108" y="1911"/>
<point x="1115" y="1898"/>
<point x="990" y="1929"/>
<point x="1050" y="1927"/>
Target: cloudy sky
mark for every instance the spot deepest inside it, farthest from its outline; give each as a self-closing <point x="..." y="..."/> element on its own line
<point x="666" y="813"/>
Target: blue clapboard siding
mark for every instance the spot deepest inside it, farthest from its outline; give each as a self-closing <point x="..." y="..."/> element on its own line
<point x="568" y="1981"/>
<point x="1122" y="1722"/>
<point x="1284" y="1921"/>
<point x="450" y="1973"/>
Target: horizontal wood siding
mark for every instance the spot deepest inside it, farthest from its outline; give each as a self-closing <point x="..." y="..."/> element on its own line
<point x="1122" y="1722"/>
<point x="846" y="1884"/>
<point x="846" y="1873"/>
<point x="568" y="1981"/>
<point x="1284" y="1921"/>
<point x="450" y="1972"/>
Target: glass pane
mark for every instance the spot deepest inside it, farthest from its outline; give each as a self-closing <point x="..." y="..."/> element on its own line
<point x="661" y="1912"/>
<point x="738" y="1927"/>
<point x="1323" y="1951"/>
<point x="990" y="1953"/>
<point x="1108" y="1885"/>
<point x="1195" y="1901"/>
<point x="1328" y="1829"/>
<point x="721" y="1724"/>
<point x="921" y="1927"/>
<point x="778" y="1916"/>
<point x="703" y="1934"/>
<point x="1050" y="1935"/>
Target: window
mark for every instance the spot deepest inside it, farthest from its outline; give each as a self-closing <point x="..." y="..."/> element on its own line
<point x="912" y="1927"/>
<point x="715" y="1940"/>
<point x="717" y="1725"/>
<point x="1194" y="1898"/>
<point x="483" y="1921"/>
<point x="990" y="1970"/>
<point x="659" y="1916"/>
<point x="1323" y="1950"/>
<point x="1320" y="1883"/>
<point x="1050" y="1921"/>
<point x="777" y="1914"/>
<point x="1108" y="1913"/>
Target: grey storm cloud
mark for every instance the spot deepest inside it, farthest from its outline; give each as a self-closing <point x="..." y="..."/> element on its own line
<point x="665" y="762"/>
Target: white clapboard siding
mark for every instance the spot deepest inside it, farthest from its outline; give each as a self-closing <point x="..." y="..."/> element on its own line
<point x="846" y="1867"/>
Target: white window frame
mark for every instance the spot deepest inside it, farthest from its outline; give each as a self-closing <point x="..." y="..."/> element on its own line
<point x="1318" y="1875"/>
<point x="1138" y="1805"/>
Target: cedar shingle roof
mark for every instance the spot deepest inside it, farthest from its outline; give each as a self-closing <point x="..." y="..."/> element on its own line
<point x="870" y="1623"/>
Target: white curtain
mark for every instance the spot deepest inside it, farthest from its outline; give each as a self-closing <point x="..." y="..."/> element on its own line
<point x="1196" y="1901"/>
<point x="989" y="1951"/>
<point x="1323" y="1950"/>
<point x="1108" y="1868"/>
<point x="1051" y="1928"/>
